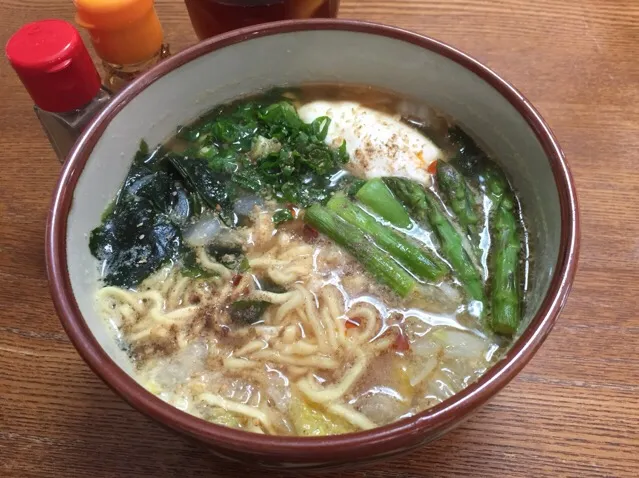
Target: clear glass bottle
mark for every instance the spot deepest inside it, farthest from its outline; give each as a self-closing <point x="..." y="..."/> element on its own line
<point x="57" y="71"/>
<point x="64" y="128"/>
<point x="117" y="76"/>
<point x="126" y="35"/>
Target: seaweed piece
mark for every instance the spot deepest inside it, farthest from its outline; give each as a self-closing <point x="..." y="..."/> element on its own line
<point x="140" y="230"/>
<point x="229" y="255"/>
<point x="200" y="177"/>
<point x="134" y="243"/>
<point x="192" y="268"/>
<point x="247" y="312"/>
<point x="468" y="157"/>
<point x="267" y="284"/>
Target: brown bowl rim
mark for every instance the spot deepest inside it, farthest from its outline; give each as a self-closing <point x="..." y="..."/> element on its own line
<point x="316" y="449"/>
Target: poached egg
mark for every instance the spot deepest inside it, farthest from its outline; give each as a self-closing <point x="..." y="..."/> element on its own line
<point x="378" y="144"/>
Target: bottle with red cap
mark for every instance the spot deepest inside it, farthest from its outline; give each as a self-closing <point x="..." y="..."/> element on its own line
<point x="57" y="71"/>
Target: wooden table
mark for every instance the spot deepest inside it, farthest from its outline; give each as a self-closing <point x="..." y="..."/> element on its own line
<point x="574" y="411"/>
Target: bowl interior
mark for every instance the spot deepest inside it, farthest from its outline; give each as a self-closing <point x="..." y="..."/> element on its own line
<point x="298" y="57"/>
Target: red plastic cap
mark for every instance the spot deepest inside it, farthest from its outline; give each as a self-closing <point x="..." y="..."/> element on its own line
<point x="54" y="65"/>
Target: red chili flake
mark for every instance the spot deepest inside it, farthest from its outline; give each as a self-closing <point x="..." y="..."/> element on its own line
<point x="432" y="167"/>
<point x="309" y="233"/>
<point x="401" y="342"/>
<point x="352" y="323"/>
<point x="236" y="279"/>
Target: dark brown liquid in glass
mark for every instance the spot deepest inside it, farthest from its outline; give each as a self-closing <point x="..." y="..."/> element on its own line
<point x="212" y="17"/>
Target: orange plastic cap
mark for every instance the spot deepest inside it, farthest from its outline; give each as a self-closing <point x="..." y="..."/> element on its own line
<point x="123" y="32"/>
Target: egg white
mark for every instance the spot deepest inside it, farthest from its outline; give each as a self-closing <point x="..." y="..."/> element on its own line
<point x="378" y="144"/>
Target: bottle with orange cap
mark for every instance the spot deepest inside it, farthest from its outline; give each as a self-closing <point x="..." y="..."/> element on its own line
<point x="126" y="35"/>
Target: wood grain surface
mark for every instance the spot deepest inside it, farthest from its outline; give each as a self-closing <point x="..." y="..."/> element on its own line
<point x="574" y="411"/>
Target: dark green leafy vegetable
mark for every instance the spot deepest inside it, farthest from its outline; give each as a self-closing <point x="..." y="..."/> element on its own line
<point x="380" y="265"/>
<point x="108" y="211"/>
<point x="355" y="184"/>
<point x="416" y="260"/>
<point x="146" y="169"/>
<point x="244" y="265"/>
<point x="248" y="179"/>
<point x="320" y="127"/>
<point x="265" y="148"/>
<point x="425" y="206"/>
<point x="291" y="163"/>
<point x="282" y="215"/>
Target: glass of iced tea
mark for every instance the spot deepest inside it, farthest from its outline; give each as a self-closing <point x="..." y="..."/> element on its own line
<point x="212" y="17"/>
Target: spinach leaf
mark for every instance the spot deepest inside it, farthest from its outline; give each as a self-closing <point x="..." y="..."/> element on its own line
<point x="248" y="179"/>
<point x="244" y="266"/>
<point x="353" y="185"/>
<point x="265" y="147"/>
<point x="282" y="116"/>
<point x="282" y="215"/>
<point x="320" y="127"/>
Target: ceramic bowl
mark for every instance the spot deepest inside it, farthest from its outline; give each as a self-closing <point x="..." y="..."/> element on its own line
<point x="292" y="53"/>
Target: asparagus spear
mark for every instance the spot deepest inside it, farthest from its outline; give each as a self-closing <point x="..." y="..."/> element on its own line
<point x="376" y="195"/>
<point x="425" y="206"/>
<point x="506" y="308"/>
<point x="460" y="198"/>
<point x="505" y="294"/>
<point x="493" y="183"/>
<point x="410" y="256"/>
<point x="506" y="247"/>
<point x="411" y="195"/>
<point x="356" y="242"/>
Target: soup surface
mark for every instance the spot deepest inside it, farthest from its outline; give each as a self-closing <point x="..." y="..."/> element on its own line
<point x="313" y="261"/>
